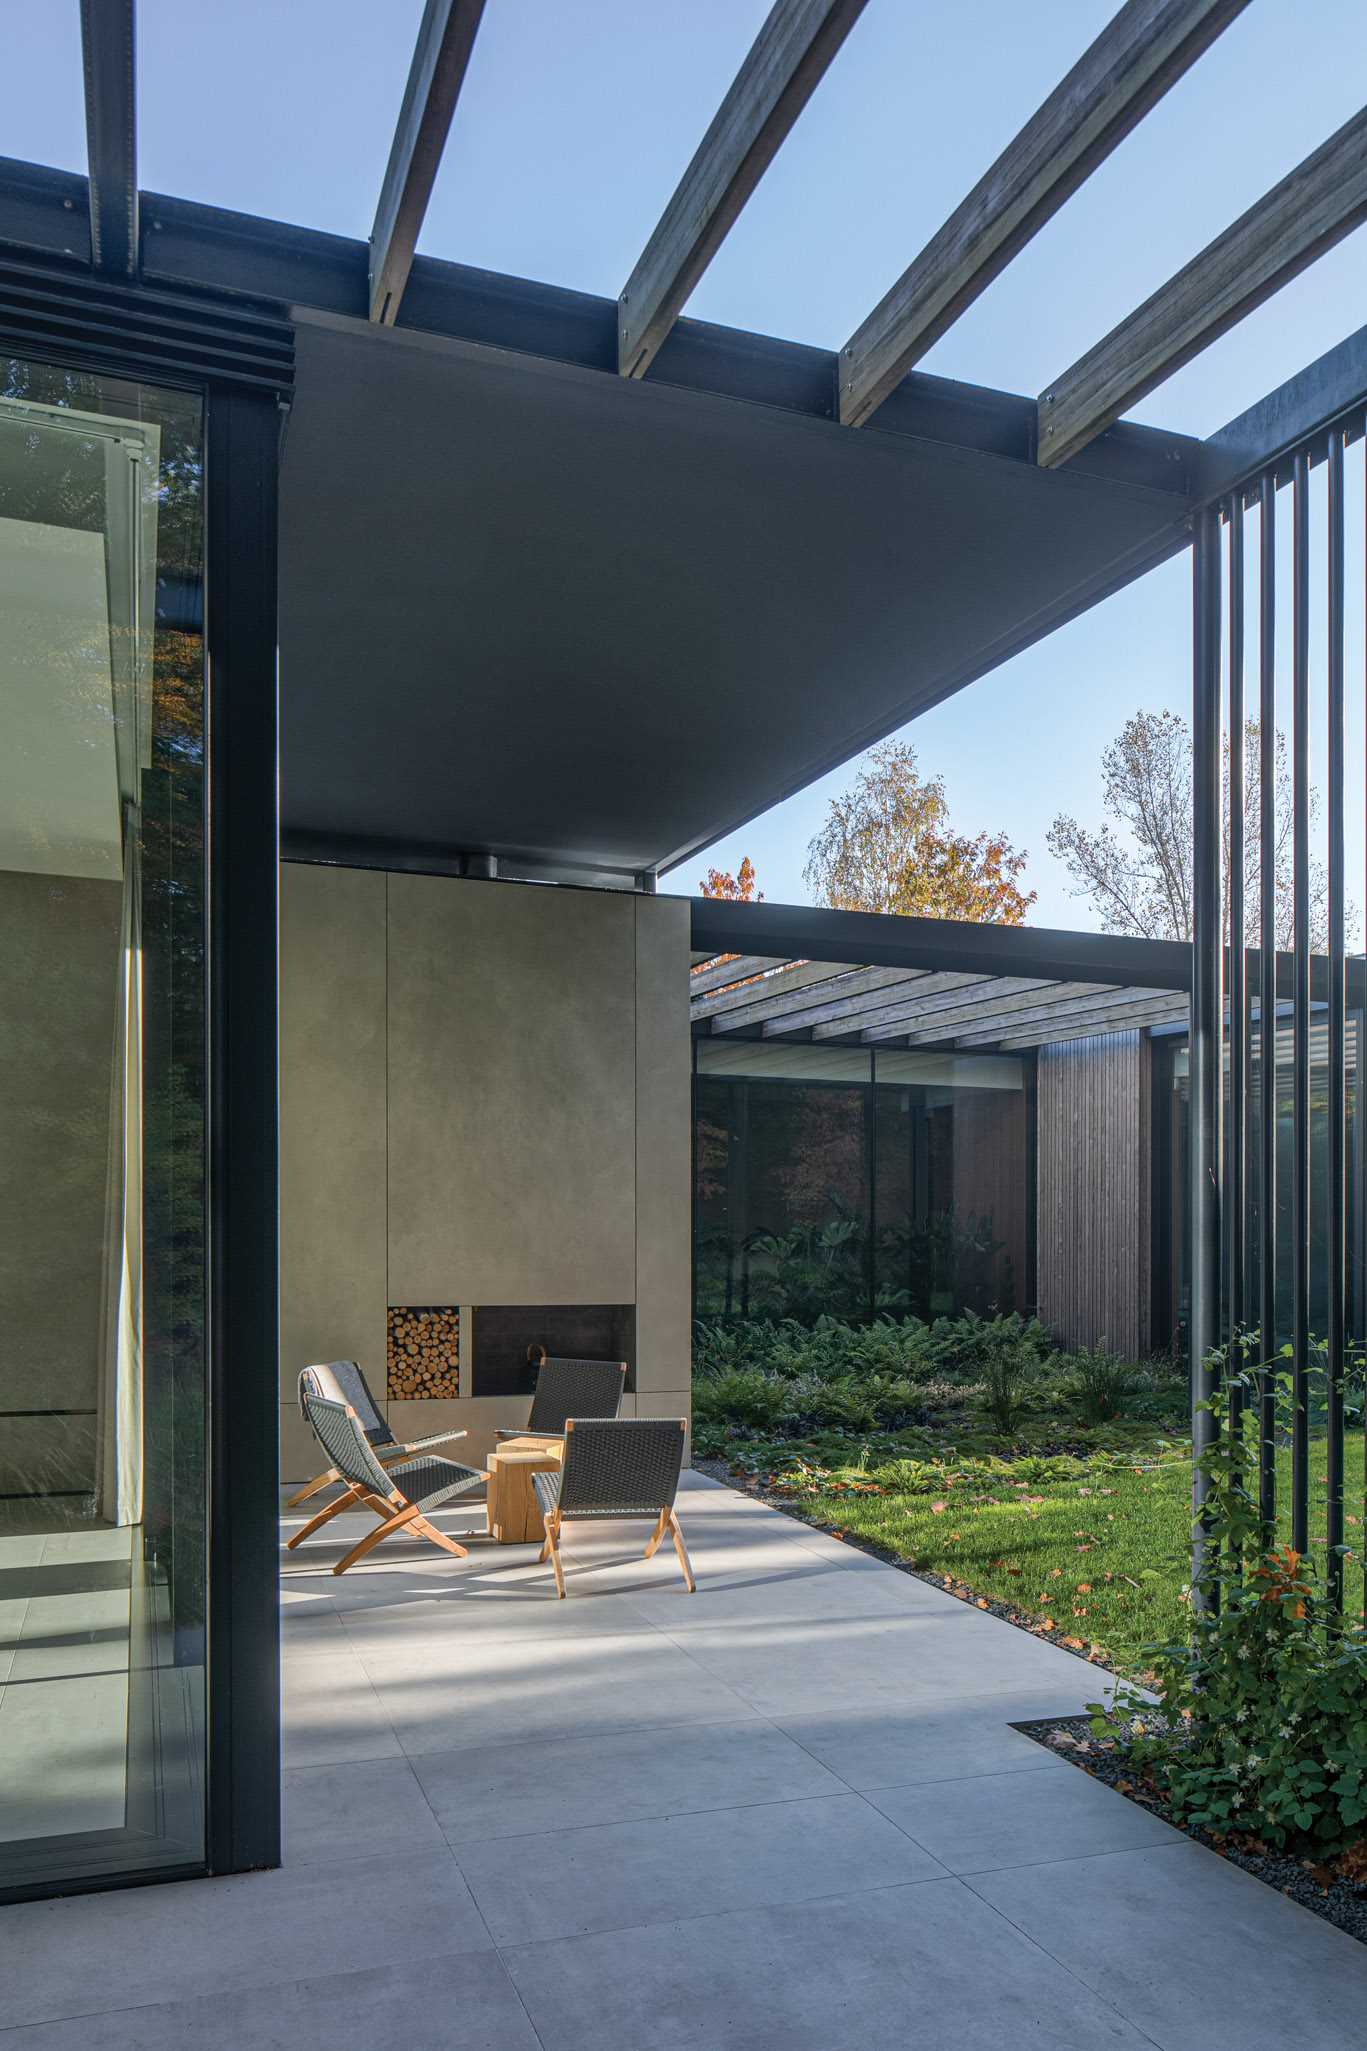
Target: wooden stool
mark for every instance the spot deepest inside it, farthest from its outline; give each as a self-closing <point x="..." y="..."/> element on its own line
<point x="514" y="1514"/>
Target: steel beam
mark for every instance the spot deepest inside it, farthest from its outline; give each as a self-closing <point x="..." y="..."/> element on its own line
<point x="1138" y="56"/>
<point x="781" y="71"/>
<point x="440" y="61"/>
<point x="111" y="131"/>
<point x="1312" y="208"/>
<point x="1207" y="957"/>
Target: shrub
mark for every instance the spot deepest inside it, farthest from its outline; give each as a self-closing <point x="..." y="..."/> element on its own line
<point x="740" y="1396"/>
<point x="1008" y="1368"/>
<point x="1099" y="1385"/>
<point x="1261" y="1723"/>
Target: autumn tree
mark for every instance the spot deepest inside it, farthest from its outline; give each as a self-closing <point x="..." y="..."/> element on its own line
<point x="887" y="847"/>
<point x="740" y="887"/>
<point x="1136" y="871"/>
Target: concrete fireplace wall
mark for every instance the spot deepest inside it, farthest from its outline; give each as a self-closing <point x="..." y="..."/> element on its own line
<point x="485" y="1099"/>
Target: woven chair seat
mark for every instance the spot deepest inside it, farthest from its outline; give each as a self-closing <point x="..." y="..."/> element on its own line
<point x="431" y="1482"/>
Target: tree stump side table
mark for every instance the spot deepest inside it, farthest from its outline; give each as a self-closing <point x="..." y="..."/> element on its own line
<point x="514" y="1514"/>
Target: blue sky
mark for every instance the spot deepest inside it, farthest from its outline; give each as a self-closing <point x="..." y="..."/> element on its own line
<point x="578" y="117"/>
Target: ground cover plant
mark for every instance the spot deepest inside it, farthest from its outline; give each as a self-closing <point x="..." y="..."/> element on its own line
<point x="1075" y="1518"/>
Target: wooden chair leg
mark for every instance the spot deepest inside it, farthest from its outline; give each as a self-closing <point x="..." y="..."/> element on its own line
<point x="311" y="1488"/>
<point x="426" y="1530"/>
<point x="344" y="1502"/>
<point x="661" y="1526"/>
<point x="682" y="1550"/>
<point x="553" y="1542"/>
<point x="372" y="1538"/>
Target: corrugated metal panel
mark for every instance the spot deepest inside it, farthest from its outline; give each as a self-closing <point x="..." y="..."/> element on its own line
<point x="1093" y="1191"/>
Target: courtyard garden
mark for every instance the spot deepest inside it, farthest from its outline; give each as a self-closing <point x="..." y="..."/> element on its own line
<point x="1051" y="1485"/>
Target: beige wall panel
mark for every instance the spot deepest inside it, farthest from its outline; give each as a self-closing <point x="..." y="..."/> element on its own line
<point x="479" y="1417"/>
<point x="668" y="1403"/>
<point x="59" y="956"/>
<point x="332" y="1128"/>
<point x="664" y="1207"/>
<point x="301" y="1456"/>
<point x="511" y="1093"/>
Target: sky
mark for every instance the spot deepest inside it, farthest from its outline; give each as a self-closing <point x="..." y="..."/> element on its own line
<point x="576" y="121"/>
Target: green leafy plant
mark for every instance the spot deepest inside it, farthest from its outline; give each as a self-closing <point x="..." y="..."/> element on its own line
<point x="1009" y="1374"/>
<point x="1261" y="1720"/>
<point x="1099" y="1385"/>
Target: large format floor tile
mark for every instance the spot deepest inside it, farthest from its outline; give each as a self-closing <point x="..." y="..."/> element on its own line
<point x="562" y="1783"/>
<point x="354" y="1811"/>
<point x="897" y="1745"/>
<point x="1191" y="1949"/>
<point x="1020" y="1819"/>
<point x="619" y="1875"/>
<point x="331" y="1713"/>
<point x="452" y="1693"/>
<point x="466" y="2003"/>
<point x="194" y="1937"/>
<point x="917" y="1966"/>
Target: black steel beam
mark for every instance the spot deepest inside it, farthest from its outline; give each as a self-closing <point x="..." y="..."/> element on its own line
<point x="111" y="129"/>
<point x="1336" y="1249"/>
<point x="1267" y="999"/>
<point x="1207" y="953"/>
<point x="1300" y="1063"/>
<point x="1296" y="415"/>
<point x="214" y="250"/>
<point x="880" y="939"/>
<point x="1236" y="1135"/>
<point x="243" y="434"/>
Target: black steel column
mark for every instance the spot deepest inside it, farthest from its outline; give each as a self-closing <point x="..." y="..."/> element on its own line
<point x="1337" y="1247"/>
<point x="1206" y="1009"/>
<point x="1300" y="1061"/>
<point x="243" y="434"/>
<point x="1236" y="1194"/>
<point x="1267" y="994"/>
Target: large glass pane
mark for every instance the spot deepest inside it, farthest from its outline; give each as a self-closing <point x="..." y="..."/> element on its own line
<point x="102" y="1226"/>
<point x="783" y="1182"/>
<point x="951" y="1184"/>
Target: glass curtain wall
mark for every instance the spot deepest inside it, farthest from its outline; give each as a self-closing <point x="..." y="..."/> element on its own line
<point x="102" y="1127"/>
<point x="851" y="1182"/>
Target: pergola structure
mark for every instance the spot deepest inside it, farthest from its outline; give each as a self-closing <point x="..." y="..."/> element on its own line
<point x="566" y="587"/>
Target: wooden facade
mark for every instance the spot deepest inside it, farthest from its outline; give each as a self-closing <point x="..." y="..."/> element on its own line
<point x="1093" y="1205"/>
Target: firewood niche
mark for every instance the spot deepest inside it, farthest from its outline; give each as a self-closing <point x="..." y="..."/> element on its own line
<point x="422" y="1355"/>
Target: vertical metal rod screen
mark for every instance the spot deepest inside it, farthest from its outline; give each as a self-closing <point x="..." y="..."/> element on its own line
<point x="1276" y="1096"/>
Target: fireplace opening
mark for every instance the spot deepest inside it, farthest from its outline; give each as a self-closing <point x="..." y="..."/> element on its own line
<point x="507" y="1341"/>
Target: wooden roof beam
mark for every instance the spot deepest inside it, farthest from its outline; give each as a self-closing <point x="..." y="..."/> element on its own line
<point x="440" y="61"/>
<point x="1137" y="57"/>
<point x="782" y="69"/>
<point x="1312" y="208"/>
<point x="111" y="131"/>
<point x="722" y="975"/>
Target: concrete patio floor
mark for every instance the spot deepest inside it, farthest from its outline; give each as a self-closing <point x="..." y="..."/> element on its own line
<point x="785" y="1814"/>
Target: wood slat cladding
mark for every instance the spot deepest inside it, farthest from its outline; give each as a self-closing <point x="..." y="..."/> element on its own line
<point x="1092" y="1215"/>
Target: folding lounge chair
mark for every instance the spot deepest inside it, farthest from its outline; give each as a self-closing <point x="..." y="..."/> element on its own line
<point x="570" y="1388"/>
<point x="400" y="1496"/>
<point x="615" y="1467"/>
<point x="342" y="1381"/>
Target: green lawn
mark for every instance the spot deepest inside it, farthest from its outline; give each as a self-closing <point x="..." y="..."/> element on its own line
<point x="1093" y="1550"/>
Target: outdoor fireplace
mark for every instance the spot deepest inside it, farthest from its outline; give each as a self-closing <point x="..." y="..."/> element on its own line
<point x="507" y="1341"/>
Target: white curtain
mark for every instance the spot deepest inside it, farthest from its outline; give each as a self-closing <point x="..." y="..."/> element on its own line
<point x="119" y="1470"/>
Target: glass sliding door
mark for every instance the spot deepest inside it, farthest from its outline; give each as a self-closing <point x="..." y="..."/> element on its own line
<point x="102" y="1128"/>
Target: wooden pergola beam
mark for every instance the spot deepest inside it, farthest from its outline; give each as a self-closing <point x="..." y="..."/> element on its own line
<point x="1088" y="1028"/>
<point x="759" y="999"/>
<point x="1141" y="1007"/>
<point x="111" y="131"/>
<point x="1137" y="57"/>
<point x="440" y="60"/>
<point x="722" y="975"/>
<point x="781" y="71"/>
<point x="1312" y="208"/>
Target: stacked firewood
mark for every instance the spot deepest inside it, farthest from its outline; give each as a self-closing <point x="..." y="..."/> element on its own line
<point x="423" y="1352"/>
